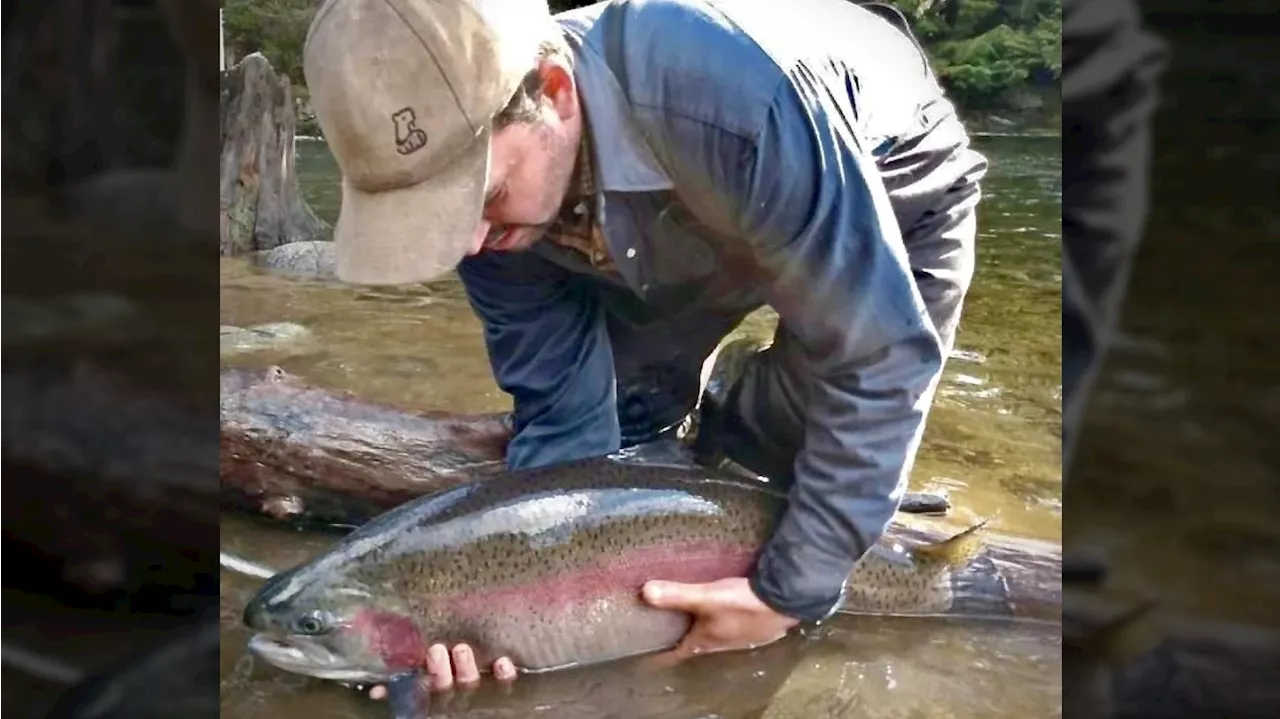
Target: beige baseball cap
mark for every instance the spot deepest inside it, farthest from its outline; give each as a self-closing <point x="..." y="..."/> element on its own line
<point x="405" y="92"/>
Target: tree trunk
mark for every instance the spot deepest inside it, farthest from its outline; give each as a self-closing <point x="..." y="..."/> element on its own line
<point x="260" y="204"/>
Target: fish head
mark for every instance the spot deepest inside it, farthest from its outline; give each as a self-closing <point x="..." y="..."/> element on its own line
<point x="330" y="625"/>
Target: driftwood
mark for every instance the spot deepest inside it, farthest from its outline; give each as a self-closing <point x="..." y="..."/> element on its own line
<point x="260" y="204"/>
<point x="304" y="453"/>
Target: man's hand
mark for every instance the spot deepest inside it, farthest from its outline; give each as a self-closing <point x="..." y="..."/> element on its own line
<point x="447" y="669"/>
<point x="727" y="616"/>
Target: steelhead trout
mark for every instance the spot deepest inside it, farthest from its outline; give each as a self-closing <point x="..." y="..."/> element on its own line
<point x="545" y="567"/>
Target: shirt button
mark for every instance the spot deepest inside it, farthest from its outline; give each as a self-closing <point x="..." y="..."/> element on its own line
<point x="631" y="252"/>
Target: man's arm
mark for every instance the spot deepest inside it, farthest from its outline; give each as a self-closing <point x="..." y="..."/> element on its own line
<point x="818" y="222"/>
<point x="549" y="349"/>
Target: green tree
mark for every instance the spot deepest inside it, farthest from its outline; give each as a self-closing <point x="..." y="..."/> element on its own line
<point x="275" y="28"/>
<point x="987" y="51"/>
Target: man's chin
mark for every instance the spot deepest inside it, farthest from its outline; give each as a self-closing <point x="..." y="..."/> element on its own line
<point x="522" y="239"/>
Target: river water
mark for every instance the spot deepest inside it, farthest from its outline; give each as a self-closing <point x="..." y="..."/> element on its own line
<point x="992" y="445"/>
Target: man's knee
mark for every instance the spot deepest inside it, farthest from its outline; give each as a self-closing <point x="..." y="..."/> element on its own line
<point x="659" y="368"/>
<point x="753" y="412"/>
<point x="655" y="398"/>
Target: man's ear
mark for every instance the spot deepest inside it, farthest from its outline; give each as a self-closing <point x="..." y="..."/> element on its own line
<point x="559" y="88"/>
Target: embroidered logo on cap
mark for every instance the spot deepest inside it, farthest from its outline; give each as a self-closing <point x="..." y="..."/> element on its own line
<point x="409" y="137"/>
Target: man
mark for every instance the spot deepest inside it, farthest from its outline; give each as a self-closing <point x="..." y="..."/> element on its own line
<point x="619" y="197"/>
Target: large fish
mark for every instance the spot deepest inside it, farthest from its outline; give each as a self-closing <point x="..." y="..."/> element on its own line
<point x="545" y="567"/>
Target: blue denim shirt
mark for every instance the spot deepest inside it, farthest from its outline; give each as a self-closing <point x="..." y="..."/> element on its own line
<point x="731" y="135"/>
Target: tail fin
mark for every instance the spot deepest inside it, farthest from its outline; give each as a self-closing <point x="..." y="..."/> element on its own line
<point x="956" y="551"/>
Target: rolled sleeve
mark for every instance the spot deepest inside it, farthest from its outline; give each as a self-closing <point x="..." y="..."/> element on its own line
<point x="819" y="225"/>
<point x="549" y="349"/>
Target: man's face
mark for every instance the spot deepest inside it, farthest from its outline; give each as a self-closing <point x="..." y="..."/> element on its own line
<point x="530" y="167"/>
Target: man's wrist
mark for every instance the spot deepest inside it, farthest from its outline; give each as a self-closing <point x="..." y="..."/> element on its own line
<point x="809" y="608"/>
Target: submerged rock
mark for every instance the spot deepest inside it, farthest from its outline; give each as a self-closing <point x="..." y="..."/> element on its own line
<point x="302" y="259"/>
<point x="273" y="336"/>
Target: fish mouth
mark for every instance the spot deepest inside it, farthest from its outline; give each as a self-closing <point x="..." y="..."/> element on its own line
<point x="302" y="655"/>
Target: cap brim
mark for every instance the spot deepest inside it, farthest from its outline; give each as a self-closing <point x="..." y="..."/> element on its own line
<point x="416" y="233"/>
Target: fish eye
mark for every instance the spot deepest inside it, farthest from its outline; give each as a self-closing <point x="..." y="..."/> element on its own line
<point x="311" y="624"/>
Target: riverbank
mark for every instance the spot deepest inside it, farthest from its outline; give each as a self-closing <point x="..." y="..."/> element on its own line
<point x="1013" y="123"/>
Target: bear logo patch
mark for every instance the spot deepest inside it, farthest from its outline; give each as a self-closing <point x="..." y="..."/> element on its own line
<point x="409" y="137"/>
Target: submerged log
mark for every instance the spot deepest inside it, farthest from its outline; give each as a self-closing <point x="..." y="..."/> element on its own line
<point x="291" y="451"/>
<point x="260" y="204"/>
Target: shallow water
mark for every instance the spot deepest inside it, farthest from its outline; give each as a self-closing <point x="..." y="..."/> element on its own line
<point x="992" y="444"/>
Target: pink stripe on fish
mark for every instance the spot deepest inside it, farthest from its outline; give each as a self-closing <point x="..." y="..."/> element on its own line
<point x="627" y="571"/>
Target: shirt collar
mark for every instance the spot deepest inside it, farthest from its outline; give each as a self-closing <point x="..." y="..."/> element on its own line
<point x="583" y="186"/>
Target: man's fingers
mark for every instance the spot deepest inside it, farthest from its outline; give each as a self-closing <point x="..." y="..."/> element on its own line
<point x="465" y="671"/>
<point x="456" y="668"/>
<point x="662" y="660"/>
<point x="674" y="596"/>
<point x="439" y="668"/>
<point x="504" y="670"/>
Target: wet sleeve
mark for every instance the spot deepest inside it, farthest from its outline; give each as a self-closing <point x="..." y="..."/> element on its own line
<point x="817" y="219"/>
<point x="548" y="347"/>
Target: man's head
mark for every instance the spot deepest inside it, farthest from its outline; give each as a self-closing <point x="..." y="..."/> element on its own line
<point x="455" y="124"/>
